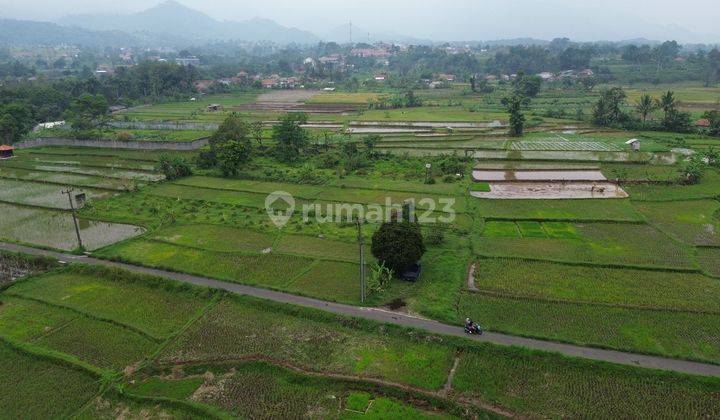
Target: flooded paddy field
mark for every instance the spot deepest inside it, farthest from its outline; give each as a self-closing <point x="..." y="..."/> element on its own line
<point x="42" y="194"/>
<point x="538" y="175"/>
<point x="54" y="229"/>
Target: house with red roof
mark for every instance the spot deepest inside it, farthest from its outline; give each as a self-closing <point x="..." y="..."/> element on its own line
<point x="6" y="151"/>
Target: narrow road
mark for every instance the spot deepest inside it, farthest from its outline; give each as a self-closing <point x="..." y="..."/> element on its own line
<point x="384" y="316"/>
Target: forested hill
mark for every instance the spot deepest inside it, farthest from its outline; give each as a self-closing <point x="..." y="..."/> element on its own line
<point x="23" y="32"/>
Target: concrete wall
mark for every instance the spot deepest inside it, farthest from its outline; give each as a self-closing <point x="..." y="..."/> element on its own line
<point x="113" y="144"/>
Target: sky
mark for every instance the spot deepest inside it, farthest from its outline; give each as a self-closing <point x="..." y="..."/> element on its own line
<point x="582" y="20"/>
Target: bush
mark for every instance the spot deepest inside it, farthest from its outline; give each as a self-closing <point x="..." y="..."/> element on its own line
<point x="398" y="245"/>
<point x="435" y="236"/>
<point x="379" y="279"/>
<point x="173" y="167"/>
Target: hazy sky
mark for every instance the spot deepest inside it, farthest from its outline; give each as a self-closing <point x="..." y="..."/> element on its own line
<point x="687" y="21"/>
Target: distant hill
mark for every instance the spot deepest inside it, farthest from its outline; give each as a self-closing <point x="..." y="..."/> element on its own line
<point x="23" y="32"/>
<point x="173" y="19"/>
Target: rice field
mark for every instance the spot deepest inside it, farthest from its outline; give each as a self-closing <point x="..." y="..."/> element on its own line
<point x="55" y="229"/>
<point x="42" y="195"/>
<point x="595" y="243"/>
<point x="554" y="144"/>
<point x="612" y="286"/>
<point x="676" y="334"/>
<point x="154" y="309"/>
<point x="695" y="222"/>
<point x="570" y="210"/>
<point x="40" y="388"/>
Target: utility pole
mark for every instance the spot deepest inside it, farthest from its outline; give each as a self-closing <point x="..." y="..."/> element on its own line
<point x="74" y="216"/>
<point x="361" y="242"/>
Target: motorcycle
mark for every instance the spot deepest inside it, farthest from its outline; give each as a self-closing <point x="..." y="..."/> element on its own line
<point x="473" y="329"/>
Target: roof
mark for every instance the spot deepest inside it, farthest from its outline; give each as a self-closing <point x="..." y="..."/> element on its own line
<point x="704" y="122"/>
<point x="5" y="148"/>
<point x="631" y="141"/>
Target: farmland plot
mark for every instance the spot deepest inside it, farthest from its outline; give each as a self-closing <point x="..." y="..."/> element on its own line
<point x="235" y="329"/>
<point x="154" y="309"/>
<point x="62" y="179"/>
<point x="563" y="388"/>
<point x="39" y="388"/>
<point x="556" y="144"/>
<point x="55" y="229"/>
<point x="42" y="195"/>
<point x="596" y="243"/>
<point x="668" y="333"/>
<point x="612" y="286"/>
<point x="579" y="210"/>
<point x="694" y="222"/>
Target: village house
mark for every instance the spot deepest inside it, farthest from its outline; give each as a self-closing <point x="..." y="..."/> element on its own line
<point x="634" y="144"/>
<point x="202" y="85"/>
<point x="446" y="77"/>
<point x="546" y="76"/>
<point x="6" y="151"/>
<point x="702" y="123"/>
<point x="187" y="61"/>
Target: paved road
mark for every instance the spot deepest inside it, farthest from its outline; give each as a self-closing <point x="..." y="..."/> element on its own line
<point x="384" y="316"/>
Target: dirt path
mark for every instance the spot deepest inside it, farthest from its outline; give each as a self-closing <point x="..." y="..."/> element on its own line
<point x="382" y="316"/>
<point x="471" y="278"/>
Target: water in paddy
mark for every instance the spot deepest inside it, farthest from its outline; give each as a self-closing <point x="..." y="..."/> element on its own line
<point x="538" y="175"/>
<point x="551" y="191"/>
<point x="54" y="229"/>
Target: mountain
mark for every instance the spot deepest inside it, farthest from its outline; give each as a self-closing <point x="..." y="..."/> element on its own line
<point x="173" y="19"/>
<point x="23" y="32"/>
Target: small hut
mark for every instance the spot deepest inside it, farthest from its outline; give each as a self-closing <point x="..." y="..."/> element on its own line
<point x="634" y="144"/>
<point x="6" y="152"/>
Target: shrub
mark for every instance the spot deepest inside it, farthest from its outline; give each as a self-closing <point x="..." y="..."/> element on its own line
<point x="398" y="245"/>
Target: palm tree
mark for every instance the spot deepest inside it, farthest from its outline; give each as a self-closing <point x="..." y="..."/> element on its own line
<point x="667" y="103"/>
<point x="645" y="106"/>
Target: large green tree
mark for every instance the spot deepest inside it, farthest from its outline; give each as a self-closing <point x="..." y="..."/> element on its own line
<point x="609" y="109"/>
<point x="230" y="145"/>
<point x="514" y="105"/>
<point x="15" y="122"/>
<point x="88" y="112"/>
<point x="398" y="244"/>
<point x="290" y="137"/>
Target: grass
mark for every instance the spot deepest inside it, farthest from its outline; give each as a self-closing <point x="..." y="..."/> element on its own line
<point x="336" y="281"/>
<point x="695" y="222"/>
<point x="157" y="309"/>
<point x="667" y="333"/>
<point x="215" y="238"/>
<point x="269" y="270"/>
<point x="236" y="329"/>
<point x="542" y="210"/>
<point x="177" y="389"/>
<point x="550" y="387"/>
<point x="708" y="188"/>
<point x="39" y="388"/>
<point x="101" y="344"/>
<point x="612" y="286"/>
<point x="595" y="243"/>
<point x="111" y="405"/>
<point x="26" y="320"/>
<point x="709" y="259"/>
<point x="320" y="248"/>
